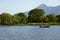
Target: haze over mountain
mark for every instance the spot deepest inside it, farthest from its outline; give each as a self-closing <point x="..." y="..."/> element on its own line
<point x="49" y="9"/>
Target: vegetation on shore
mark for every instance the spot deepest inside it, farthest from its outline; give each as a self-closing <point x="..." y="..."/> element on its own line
<point x="35" y="17"/>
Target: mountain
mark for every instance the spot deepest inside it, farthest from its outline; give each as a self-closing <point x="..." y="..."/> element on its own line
<point x="48" y="9"/>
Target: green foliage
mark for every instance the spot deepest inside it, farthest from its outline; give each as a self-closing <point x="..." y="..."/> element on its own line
<point x="35" y="15"/>
<point x="6" y="19"/>
<point x="16" y="20"/>
<point x="0" y="19"/>
<point x="58" y="16"/>
<point x="45" y="20"/>
<point x="52" y="17"/>
<point x="22" y="18"/>
<point x="36" y="12"/>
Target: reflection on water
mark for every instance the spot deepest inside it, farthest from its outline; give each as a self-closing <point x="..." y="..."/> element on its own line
<point x="29" y="33"/>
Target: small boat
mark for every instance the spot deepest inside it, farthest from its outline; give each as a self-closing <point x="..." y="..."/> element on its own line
<point x="44" y="26"/>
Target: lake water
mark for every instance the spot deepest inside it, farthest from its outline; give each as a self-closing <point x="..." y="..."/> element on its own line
<point x="29" y="33"/>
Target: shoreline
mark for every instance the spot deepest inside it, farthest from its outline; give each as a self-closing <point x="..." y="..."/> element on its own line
<point x="35" y="24"/>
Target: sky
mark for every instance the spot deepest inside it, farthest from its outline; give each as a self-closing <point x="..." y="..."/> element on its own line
<point x="16" y="6"/>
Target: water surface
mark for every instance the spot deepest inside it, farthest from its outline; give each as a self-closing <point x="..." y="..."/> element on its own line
<point x="29" y="33"/>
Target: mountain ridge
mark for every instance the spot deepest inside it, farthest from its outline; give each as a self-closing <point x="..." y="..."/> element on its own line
<point x="48" y="9"/>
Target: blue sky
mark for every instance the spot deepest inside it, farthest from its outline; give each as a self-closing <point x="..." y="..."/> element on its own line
<point x="15" y="6"/>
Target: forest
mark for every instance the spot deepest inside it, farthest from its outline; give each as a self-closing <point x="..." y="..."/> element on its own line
<point x="35" y="16"/>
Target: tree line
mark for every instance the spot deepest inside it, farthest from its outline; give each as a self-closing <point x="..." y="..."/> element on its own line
<point x="34" y="16"/>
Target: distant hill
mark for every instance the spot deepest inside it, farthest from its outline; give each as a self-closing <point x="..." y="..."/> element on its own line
<point x="48" y="9"/>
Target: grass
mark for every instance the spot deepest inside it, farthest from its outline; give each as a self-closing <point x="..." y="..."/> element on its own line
<point x="37" y="24"/>
<point x="34" y="24"/>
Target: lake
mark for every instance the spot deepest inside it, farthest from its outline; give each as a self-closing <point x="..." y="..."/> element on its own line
<point x="29" y="33"/>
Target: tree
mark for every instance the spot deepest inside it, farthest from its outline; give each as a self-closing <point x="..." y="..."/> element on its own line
<point x="46" y="20"/>
<point x="6" y="19"/>
<point x="58" y="16"/>
<point x="36" y="12"/>
<point x="35" y="15"/>
<point x="22" y="18"/>
<point x="52" y="18"/>
<point x="16" y="20"/>
<point x="0" y="19"/>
